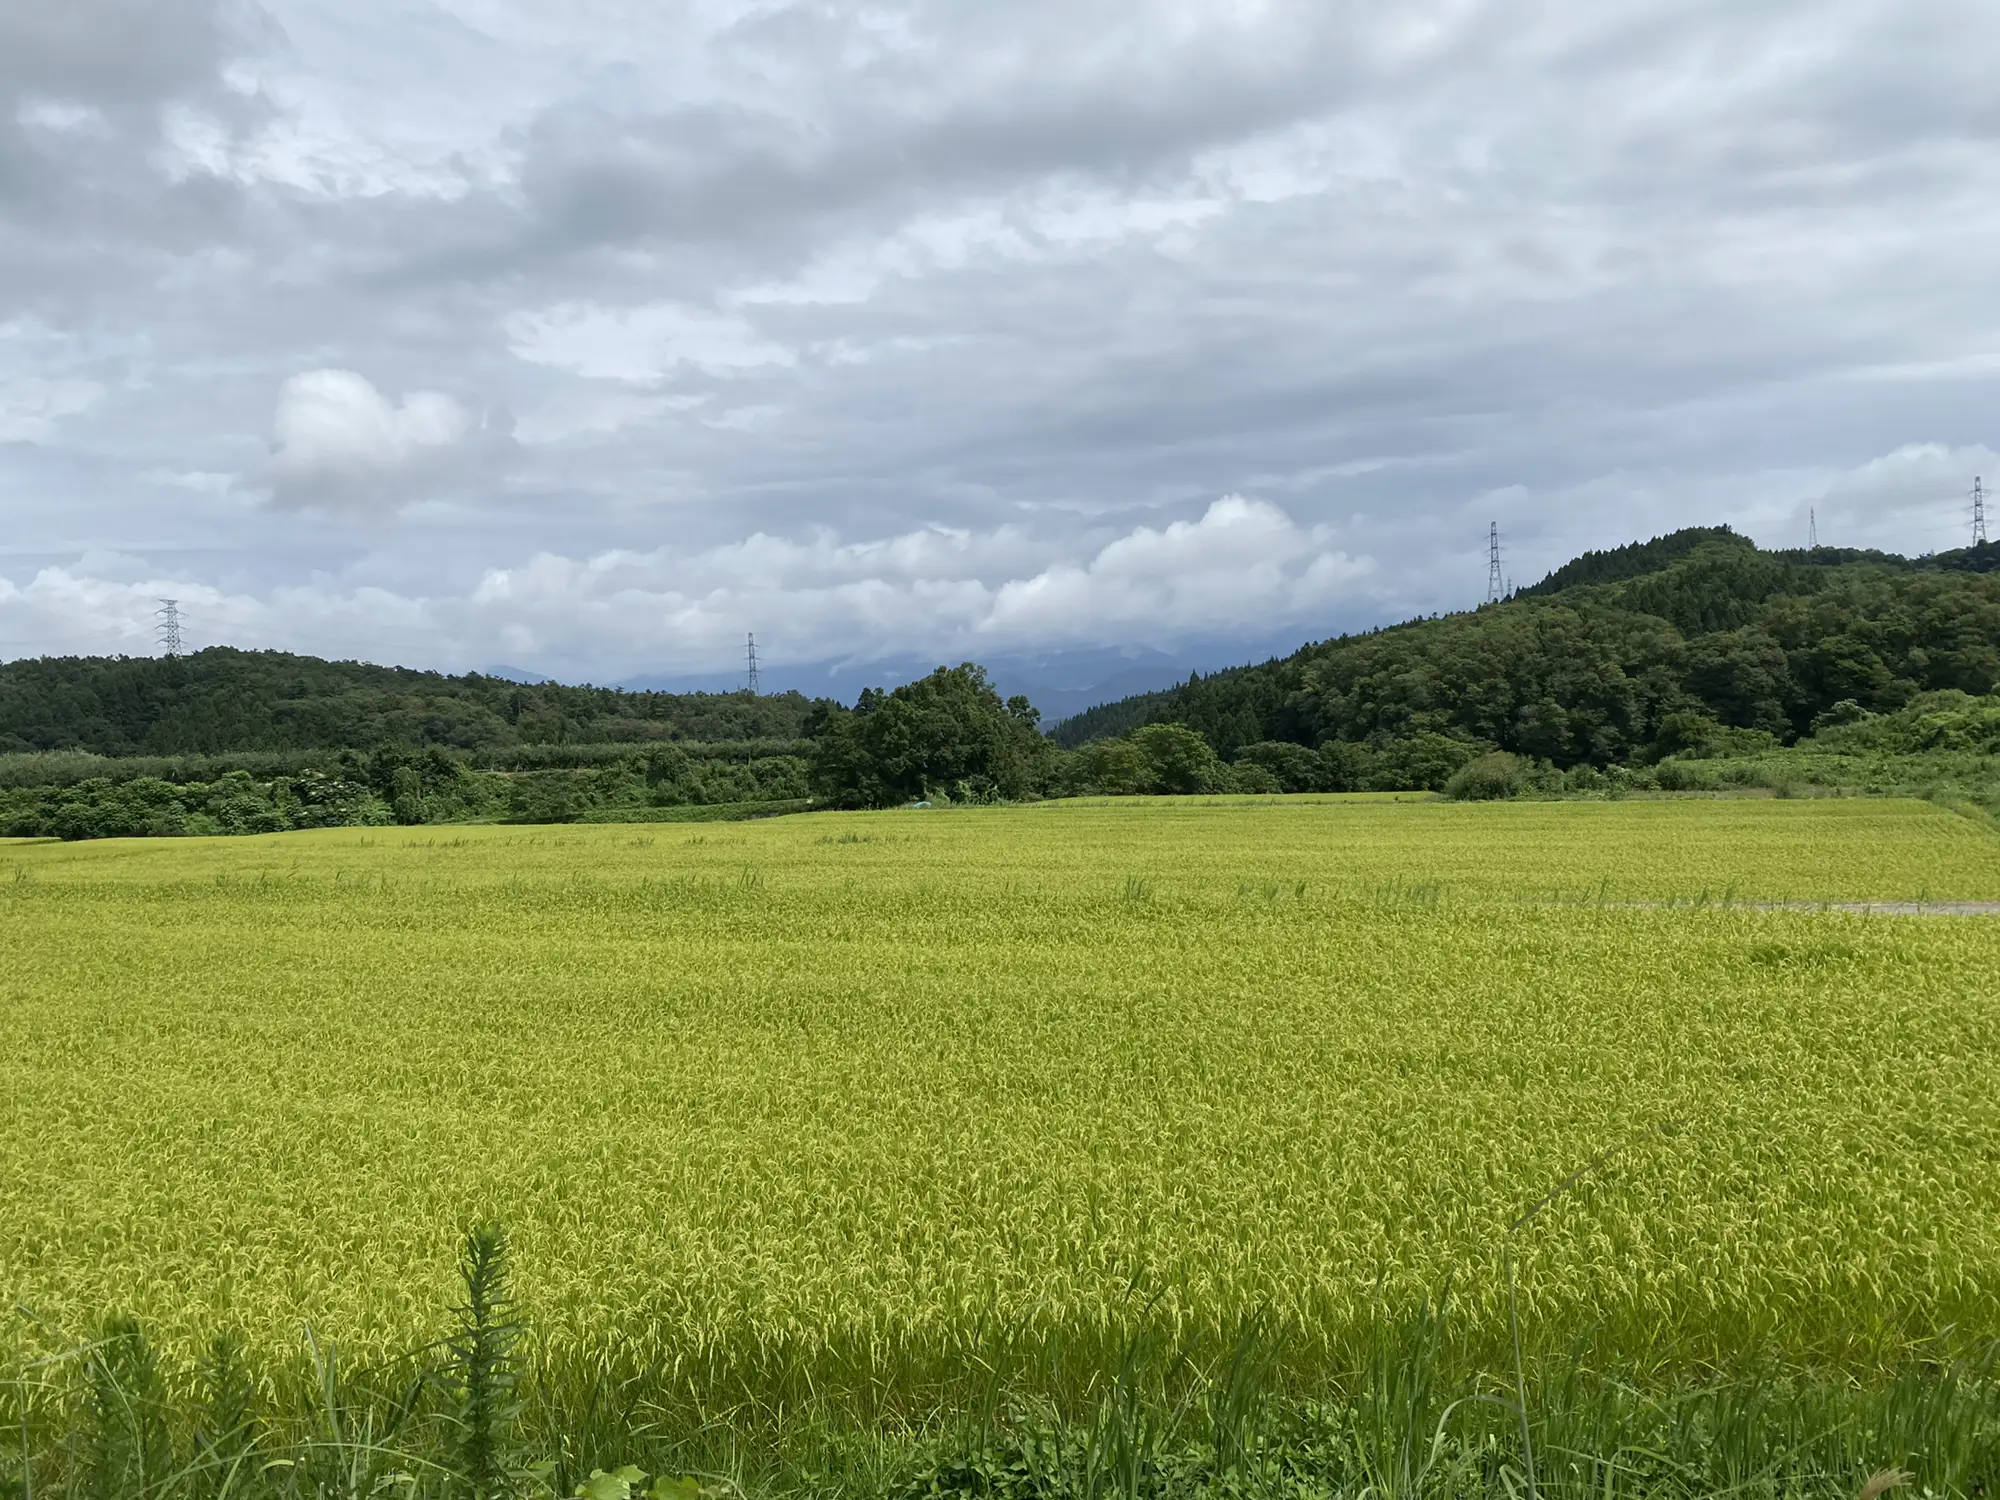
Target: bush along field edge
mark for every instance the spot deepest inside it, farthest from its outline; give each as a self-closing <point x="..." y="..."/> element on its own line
<point x="949" y="739"/>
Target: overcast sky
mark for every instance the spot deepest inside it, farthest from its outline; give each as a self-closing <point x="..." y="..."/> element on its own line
<point x="590" y="336"/>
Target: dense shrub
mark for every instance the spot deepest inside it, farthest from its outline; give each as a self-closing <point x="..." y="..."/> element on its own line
<point x="1490" y="778"/>
<point x="1293" y="767"/>
<point x="1177" y="761"/>
<point x="1254" y="780"/>
<point x="391" y="786"/>
<point x="1422" y="763"/>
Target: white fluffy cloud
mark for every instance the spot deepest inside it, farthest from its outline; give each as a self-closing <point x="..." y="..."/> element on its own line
<point x="81" y="608"/>
<point x="1242" y="566"/>
<point x="1916" y="498"/>
<point x="337" y="442"/>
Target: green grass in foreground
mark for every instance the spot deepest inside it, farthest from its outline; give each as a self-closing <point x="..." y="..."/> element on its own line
<point x="839" y="1147"/>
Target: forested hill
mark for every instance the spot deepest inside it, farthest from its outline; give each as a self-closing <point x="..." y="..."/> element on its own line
<point x="1633" y="652"/>
<point x="223" y="700"/>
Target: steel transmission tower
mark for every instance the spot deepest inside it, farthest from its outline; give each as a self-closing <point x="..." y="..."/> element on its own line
<point x="750" y="657"/>
<point x="1978" y="512"/>
<point x="169" y="627"/>
<point x="1812" y="527"/>
<point x="1495" y="586"/>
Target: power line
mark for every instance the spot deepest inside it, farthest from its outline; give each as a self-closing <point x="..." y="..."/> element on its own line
<point x="1495" y="589"/>
<point x="169" y="628"/>
<point x="750" y="656"/>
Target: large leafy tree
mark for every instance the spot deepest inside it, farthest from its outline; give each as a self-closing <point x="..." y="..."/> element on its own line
<point x="947" y="735"/>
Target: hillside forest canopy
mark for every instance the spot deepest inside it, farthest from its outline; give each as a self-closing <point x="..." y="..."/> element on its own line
<point x="223" y="700"/>
<point x="1694" y="660"/>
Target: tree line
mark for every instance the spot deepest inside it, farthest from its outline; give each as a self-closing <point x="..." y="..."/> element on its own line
<point x="223" y="700"/>
<point x="393" y="785"/>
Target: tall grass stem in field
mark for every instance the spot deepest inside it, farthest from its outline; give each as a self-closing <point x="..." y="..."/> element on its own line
<point x="485" y="1368"/>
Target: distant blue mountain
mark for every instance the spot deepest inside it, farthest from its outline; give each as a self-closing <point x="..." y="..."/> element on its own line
<point x="515" y="674"/>
<point x="1059" y="683"/>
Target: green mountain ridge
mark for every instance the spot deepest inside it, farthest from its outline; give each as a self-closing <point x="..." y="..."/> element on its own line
<point x="223" y="700"/>
<point x="1619" y="656"/>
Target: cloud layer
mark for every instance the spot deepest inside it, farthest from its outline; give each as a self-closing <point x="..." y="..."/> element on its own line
<point x="1240" y="569"/>
<point x="454" y="331"/>
<point x="338" y="442"/>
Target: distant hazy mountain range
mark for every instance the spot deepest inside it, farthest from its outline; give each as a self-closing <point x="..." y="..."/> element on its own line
<point x="1059" y="683"/>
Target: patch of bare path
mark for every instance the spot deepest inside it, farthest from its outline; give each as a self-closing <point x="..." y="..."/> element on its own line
<point x="1891" y="908"/>
<point x="1854" y="908"/>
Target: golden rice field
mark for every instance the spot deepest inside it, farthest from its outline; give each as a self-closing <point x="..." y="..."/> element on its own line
<point x="854" y="1096"/>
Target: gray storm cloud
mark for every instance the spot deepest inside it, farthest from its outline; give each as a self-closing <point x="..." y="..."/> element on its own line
<point x="455" y="332"/>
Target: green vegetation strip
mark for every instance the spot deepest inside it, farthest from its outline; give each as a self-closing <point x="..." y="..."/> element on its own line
<point x="714" y="812"/>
